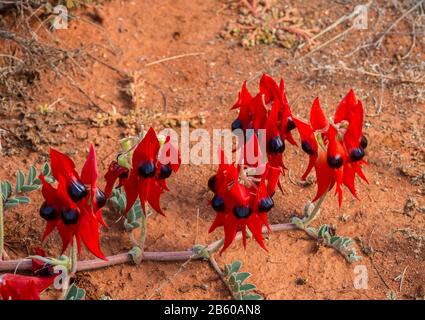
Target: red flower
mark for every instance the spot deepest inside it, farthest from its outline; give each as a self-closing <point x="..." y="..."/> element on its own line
<point x="239" y="206"/>
<point x="336" y="149"/>
<point x="17" y="287"/>
<point x="269" y="110"/>
<point x="151" y="166"/>
<point x="74" y="207"/>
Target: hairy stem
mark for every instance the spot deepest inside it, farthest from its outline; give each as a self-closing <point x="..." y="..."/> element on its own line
<point x="313" y="215"/>
<point x="143" y="232"/>
<point x="74" y="257"/>
<point x="25" y="264"/>
<point x="217" y="269"/>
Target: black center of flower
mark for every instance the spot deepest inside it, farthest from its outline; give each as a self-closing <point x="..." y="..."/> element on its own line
<point x="237" y="124"/>
<point x="47" y="212"/>
<point x="335" y="162"/>
<point x="242" y="212"/>
<point x="69" y="216"/>
<point x="290" y="125"/>
<point x="363" y="142"/>
<point x="218" y="203"/>
<point x="265" y="204"/>
<point x="306" y="146"/>
<point x="100" y="198"/>
<point x="211" y="182"/>
<point x="77" y="190"/>
<point x="357" y="154"/>
<point x="276" y="145"/>
<point x="147" y="169"/>
<point x="165" y="171"/>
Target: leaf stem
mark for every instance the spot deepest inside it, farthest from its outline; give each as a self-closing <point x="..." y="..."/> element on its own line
<point x="74" y="257"/>
<point x="217" y="269"/>
<point x="143" y="232"/>
<point x="315" y="212"/>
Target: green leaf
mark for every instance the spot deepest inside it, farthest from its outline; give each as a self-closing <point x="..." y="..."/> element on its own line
<point x="242" y="276"/>
<point x="75" y="293"/>
<point x="235" y="287"/>
<point x="22" y="200"/>
<point x="232" y="280"/>
<point x="227" y="268"/>
<point x="30" y="188"/>
<point x="323" y="230"/>
<point x="121" y="202"/>
<point x="235" y="266"/>
<point x="46" y="169"/>
<point x="20" y="179"/>
<point x="6" y="189"/>
<point x="252" y="296"/>
<point x="128" y="226"/>
<point x="31" y="175"/>
<point x="247" y="287"/>
<point x="131" y="216"/>
<point x="10" y="203"/>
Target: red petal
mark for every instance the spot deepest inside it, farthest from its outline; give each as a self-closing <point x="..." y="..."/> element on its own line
<point x="154" y="196"/>
<point x="114" y="172"/>
<point x="256" y="226"/>
<point x="273" y="178"/>
<point x="88" y="230"/>
<point x="244" y="97"/>
<point x="170" y="154"/>
<point x="62" y="165"/>
<point x="89" y="172"/>
<point x="317" y="116"/>
<point x="230" y="230"/>
<point x="131" y="188"/>
<point x="343" y="110"/>
<point x="270" y="89"/>
<point x="218" y="222"/>
<point x="146" y="150"/>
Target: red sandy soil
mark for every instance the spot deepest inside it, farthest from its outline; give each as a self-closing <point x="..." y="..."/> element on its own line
<point x="133" y="33"/>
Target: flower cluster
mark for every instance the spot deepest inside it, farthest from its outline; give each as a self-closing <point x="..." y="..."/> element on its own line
<point x="268" y="110"/>
<point x="336" y="148"/>
<point x="74" y="206"/>
<point x="241" y="202"/>
<point x="151" y="164"/>
<point x="336" y="151"/>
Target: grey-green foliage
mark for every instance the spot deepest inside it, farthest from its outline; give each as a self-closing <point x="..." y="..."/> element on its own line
<point x="14" y="195"/>
<point x="118" y="201"/>
<point x="343" y="244"/>
<point x="237" y="281"/>
<point x="75" y="293"/>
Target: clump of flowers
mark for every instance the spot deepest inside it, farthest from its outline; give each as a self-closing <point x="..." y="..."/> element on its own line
<point x="145" y="175"/>
<point x="242" y="202"/>
<point x="268" y="109"/>
<point x="74" y="207"/>
<point x="335" y="148"/>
